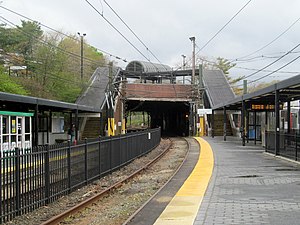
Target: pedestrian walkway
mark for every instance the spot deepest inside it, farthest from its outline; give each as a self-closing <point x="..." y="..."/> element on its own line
<point x="249" y="187"/>
<point x="149" y="214"/>
<point x="183" y="207"/>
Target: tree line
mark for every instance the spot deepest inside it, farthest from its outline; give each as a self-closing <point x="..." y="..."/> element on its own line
<point x="46" y="65"/>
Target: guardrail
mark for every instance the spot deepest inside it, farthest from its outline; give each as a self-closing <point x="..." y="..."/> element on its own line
<point x="36" y="178"/>
<point x="289" y="145"/>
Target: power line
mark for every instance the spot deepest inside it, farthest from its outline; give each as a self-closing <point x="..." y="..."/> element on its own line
<point x="54" y="46"/>
<point x="134" y="34"/>
<point x="219" y="31"/>
<point x="119" y="32"/>
<point x="222" y="28"/>
<point x="271" y="42"/>
<point x="252" y="69"/>
<point x="47" y="43"/>
<point x="285" y="65"/>
<point x="252" y="74"/>
<point x="55" y="76"/>
<point x="66" y="35"/>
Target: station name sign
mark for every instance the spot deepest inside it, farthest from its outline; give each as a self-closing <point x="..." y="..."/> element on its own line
<point x="265" y="107"/>
<point x="202" y="112"/>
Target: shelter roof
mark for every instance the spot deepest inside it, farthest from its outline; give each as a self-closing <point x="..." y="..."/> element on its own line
<point x="146" y="67"/>
<point x="289" y="90"/>
<point x="8" y="101"/>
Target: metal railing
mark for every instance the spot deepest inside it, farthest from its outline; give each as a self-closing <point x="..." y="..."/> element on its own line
<point x="38" y="177"/>
<point x="289" y="144"/>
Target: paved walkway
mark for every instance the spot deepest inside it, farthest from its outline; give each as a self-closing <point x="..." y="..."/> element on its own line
<point x="183" y="207"/>
<point x="249" y="187"/>
<point x="149" y="214"/>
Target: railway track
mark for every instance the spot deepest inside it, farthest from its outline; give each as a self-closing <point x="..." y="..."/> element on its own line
<point x="88" y="202"/>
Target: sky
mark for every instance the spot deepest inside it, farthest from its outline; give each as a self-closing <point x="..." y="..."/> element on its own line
<point x="165" y="26"/>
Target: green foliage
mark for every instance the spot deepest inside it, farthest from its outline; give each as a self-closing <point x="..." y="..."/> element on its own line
<point x="224" y="65"/>
<point x="257" y="86"/>
<point x="53" y="70"/>
<point x="28" y="34"/>
<point x="7" y="84"/>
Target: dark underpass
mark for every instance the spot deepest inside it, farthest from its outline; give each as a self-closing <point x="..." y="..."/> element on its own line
<point x="172" y="117"/>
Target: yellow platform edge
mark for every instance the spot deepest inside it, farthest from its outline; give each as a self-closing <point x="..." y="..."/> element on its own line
<point x="184" y="206"/>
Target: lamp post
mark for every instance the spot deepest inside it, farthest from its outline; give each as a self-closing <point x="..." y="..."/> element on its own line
<point x="183" y="66"/>
<point x="193" y="60"/>
<point x="81" y="54"/>
<point x="183" y="61"/>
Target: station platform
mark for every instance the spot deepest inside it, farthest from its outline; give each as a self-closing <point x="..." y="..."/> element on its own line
<point x="244" y="186"/>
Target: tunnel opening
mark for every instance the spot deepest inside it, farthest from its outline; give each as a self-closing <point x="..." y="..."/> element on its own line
<point x="172" y="117"/>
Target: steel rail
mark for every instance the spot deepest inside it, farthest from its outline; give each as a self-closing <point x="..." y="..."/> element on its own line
<point x="160" y="189"/>
<point x="59" y="218"/>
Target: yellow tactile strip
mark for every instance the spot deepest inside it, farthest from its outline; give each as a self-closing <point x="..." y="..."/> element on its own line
<point x="183" y="208"/>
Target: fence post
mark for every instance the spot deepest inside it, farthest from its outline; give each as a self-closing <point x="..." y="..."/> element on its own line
<point x="110" y="154"/>
<point x="296" y="150"/>
<point x="99" y="149"/>
<point x="18" y="182"/>
<point x="69" y="165"/>
<point x="47" y="175"/>
<point x="127" y="149"/>
<point x="1" y="221"/>
<point x="85" y="161"/>
<point x="120" y="151"/>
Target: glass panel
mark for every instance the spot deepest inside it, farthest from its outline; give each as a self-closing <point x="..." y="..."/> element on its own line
<point x="5" y="146"/>
<point x="27" y="124"/>
<point x="19" y="141"/>
<point x="27" y="141"/>
<point x="19" y="125"/>
<point x="13" y="124"/>
<point x="258" y="133"/>
<point x="251" y="132"/>
<point x="251" y="118"/>
<point x="13" y="144"/>
<point x="27" y="137"/>
<point x="258" y="118"/>
<point x="5" y="125"/>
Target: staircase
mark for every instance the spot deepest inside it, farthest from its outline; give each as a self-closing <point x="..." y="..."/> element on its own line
<point x="92" y="128"/>
<point x="219" y="124"/>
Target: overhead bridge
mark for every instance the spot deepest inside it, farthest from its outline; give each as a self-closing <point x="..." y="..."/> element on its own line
<point x="164" y="97"/>
<point x="168" y="105"/>
<point x="169" y="98"/>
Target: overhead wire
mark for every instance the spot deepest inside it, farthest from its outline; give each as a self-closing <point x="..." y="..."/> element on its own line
<point x="219" y="31"/>
<point x="116" y="29"/>
<point x="134" y="34"/>
<point x="270" y="64"/>
<point x="285" y="65"/>
<point x="271" y="42"/>
<point x="57" y="31"/>
<point x="51" y="45"/>
<point x="293" y="73"/>
<point x="223" y="27"/>
<point x="47" y="43"/>
<point x="51" y="75"/>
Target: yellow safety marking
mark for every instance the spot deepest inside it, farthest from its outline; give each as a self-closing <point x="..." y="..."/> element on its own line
<point x="183" y="208"/>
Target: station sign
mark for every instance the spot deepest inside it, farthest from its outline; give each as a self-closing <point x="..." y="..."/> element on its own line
<point x="202" y="112"/>
<point x="270" y="107"/>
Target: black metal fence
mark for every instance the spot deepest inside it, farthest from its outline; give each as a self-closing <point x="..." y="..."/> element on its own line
<point x="38" y="177"/>
<point x="289" y="145"/>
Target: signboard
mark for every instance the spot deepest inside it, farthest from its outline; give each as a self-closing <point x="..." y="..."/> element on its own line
<point x="265" y="107"/>
<point x="202" y="112"/>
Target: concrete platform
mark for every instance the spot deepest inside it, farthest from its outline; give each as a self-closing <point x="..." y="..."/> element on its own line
<point x="250" y="187"/>
<point x="247" y="186"/>
<point x="156" y="206"/>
